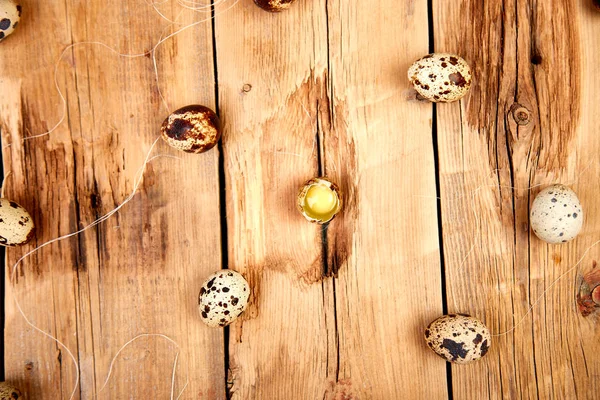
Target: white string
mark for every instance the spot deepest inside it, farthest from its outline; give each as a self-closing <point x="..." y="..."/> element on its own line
<point x="137" y="181"/>
<point x="182" y="390"/>
<point x="478" y="229"/>
<point x="173" y="375"/>
<point x="136" y="185"/>
<point x="112" y="363"/>
<point x="126" y="55"/>
<point x="547" y="289"/>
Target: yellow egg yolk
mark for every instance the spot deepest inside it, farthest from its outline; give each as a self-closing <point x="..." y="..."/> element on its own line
<point x="320" y="202"/>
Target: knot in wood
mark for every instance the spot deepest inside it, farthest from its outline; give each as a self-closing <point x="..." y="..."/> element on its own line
<point x="521" y="114"/>
<point x="596" y="295"/>
<point x="246" y="88"/>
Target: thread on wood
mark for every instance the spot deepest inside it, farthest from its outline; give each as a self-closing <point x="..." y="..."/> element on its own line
<point x="477" y="224"/>
<point x="151" y="52"/>
<point x="137" y="181"/>
<point x="143" y="335"/>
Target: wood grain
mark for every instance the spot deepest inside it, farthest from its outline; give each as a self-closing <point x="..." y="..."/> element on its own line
<point x="521" y="128"/>
<point x="271" y="84"/>
<point x="141" y="270"/>
<point x="337" y="312"/>
<point x="384" y="250"/>
<point x="318" y="310"/>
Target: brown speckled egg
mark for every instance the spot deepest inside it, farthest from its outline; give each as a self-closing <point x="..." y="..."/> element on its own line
<point x="556" y="214"/>
<point x="193" y="129"/>
<point x="16" y="225"/>
<point x="223" y="298"/>
<point x="441" y="77"/>
<point x="458" y="338"/>
<point x="10" y="14"/>
<point x="9" y="392"/>
<point x="274" y="5"/>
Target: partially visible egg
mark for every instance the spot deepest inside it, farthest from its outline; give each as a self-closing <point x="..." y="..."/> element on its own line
<point x="319" y="200"/>
<point x="556" y="215"/>
<point x="16" y="225"/>
<point x="458" y="338"/>
<point x="274" y="5"/>
<point x="193" y="129"/>
<point x="10" y="15"/>
<point x="441" y="77"/>
<point x="223" y="298"/>
<point x="9" y="392"/>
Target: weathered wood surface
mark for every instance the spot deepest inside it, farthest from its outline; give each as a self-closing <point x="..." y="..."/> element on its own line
<point x="336" y="313"/>
<point x="140" y="271"/>
<point x="530" y="120"/>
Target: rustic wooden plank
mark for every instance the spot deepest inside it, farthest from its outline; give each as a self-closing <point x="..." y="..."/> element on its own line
<point x="272" y="78"/>
<point x="140" y="271"/>
<point x="384" y="249"/>
<point x="539" y="58"/>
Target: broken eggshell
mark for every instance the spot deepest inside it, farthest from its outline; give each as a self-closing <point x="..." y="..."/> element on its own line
<point x="441" y="77"/>
<point x="319" y="200"/>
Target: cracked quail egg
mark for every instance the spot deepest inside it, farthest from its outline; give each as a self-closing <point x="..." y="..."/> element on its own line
<point x="556" y="215"/>
<point x="458" y="338"/>
<point x="9" y="392"/>
<point x="223" y="298"/>
<point x="16" y="225"/>
<point x="319" y="200"/>
<point x="10" y="15"/>
<point x="193" y="129"/>
<point x="441" y="77"/>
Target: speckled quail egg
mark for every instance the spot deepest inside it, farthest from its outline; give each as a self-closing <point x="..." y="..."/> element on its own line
<point x="274" y="5"/>
<point x="441" y="77"/>
<point x="556" y="215"/>
<point x="16" y="225"/>
<point x="319" y="200"/>
<point x="223" y="298"/>
<point x="193" y="129"/>
<point x="9" y="392"/>
<point x="458" y="338"/>
<point x="10" y="14"/>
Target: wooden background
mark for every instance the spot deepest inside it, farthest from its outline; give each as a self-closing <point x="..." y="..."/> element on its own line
<point x="336" y="313"/>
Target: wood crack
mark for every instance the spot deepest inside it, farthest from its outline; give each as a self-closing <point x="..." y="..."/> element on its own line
<point x="228" y="375"/>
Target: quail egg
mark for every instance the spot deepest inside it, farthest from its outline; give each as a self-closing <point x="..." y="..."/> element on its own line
<point x="556" y="215"/>
<point x="9" y="392"/>
<point x="319" y="200"/>
<point x="16" y="225"/>
<point x="458" y="338"/>
<point x="193" y="129"/>
<point x="274" y="5"/>
<point x="441" y="77"/>
<point x="10" y="14"/>
<point x="223" y="298"/>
